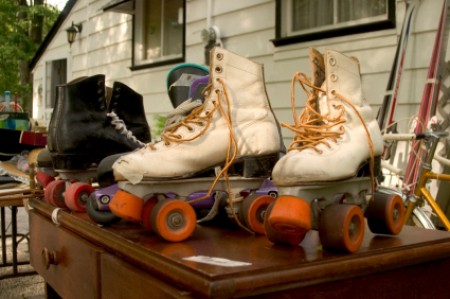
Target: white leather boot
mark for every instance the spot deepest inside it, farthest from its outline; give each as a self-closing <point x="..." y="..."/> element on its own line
<point x="234" y="125"/>
<point x="336" y="134"/>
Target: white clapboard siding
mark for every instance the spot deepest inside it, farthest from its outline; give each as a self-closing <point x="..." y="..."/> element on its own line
<point x="247" y="28"/>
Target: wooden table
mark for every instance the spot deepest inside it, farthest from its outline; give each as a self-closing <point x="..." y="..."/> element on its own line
<point x="78" y="259"/>
<point x="12" y="198"/>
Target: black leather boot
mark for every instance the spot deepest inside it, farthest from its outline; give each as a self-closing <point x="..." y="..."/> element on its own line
<point x="128" y="105"/>
<point x="83" y="130"/>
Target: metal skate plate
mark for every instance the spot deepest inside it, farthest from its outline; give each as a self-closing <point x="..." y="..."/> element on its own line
<point x="78" y="175"/>
<point x="184" y="187"/>
<point x="354" y="190"/>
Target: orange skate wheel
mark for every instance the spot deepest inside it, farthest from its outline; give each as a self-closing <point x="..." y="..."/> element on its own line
<point x="386" y="214"/>
<point x="290" y="214"/>
<point x="77" y="196"/>
<point x="127" y="206"/>
<point x="54" y="193"/>
<point x="341" y="227"/>
<point x="254" y="208"/>
<point x="279" y="237"/>
<point x="147" y="212"/>
<point x="173" y="220"/>
<point x="44" y="179"/>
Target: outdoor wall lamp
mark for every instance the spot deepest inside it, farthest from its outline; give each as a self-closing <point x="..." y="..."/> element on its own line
<point x="72" y="32"/>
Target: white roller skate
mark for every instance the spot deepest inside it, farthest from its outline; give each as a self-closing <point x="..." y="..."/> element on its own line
<point x="229" y="144"/>
<point x="327" y="178"/>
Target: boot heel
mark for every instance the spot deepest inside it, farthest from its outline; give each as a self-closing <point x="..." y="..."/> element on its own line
<point x="259" y="166"/>
<point x="71" y="162"/>
<point x="365" y="169"/>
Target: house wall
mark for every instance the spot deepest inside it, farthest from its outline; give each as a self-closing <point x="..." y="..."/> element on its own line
<point x="247" y="27"/>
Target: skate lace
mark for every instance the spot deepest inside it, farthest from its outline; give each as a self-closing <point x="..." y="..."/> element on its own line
<point x="119" y="125"/>
<point x="311" y="128"/>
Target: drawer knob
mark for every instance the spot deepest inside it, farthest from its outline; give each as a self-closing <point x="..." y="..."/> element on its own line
<point x="49" y="258"/>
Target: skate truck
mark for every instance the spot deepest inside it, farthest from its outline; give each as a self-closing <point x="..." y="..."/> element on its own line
<point x="173" y="216"/>
<point x="337" y="210"/>
<point x="417" y="197"/>
<point x="98" y="204"/>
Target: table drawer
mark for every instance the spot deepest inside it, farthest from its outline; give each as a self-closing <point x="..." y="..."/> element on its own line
<point x="122" y="280"/>
<point x="69" y="264"/>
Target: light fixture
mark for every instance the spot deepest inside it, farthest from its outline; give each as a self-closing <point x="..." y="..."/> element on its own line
<point x="72" y="32"/>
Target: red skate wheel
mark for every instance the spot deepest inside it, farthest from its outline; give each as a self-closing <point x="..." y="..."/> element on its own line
<point x="254" y="208"/>
<point x="77" y="196"/>
<point x="386" y="214"/>
<point x="54" y="193"/>
<point x="127" y="206"/>
<point x="341" y="227"/>
<point x="173" y="220"/>
<point x="147" y="212"/>
<point x="44" y="179"/>
<point x="278" y="237"/>
<point x="291" y="215"/>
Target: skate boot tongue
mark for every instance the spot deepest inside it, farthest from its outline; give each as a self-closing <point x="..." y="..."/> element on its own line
<point x="317" y="67"/>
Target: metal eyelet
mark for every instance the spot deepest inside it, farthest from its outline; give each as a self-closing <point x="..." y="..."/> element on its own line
<point x="332" y="61"/>
<point x="333" y="77"/>
<point x="218" y="69"/>
<point x="219" y="56"/>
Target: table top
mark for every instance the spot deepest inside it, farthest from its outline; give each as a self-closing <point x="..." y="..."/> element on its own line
<point x="14" y="197"/>
<point x="224" y="258"/>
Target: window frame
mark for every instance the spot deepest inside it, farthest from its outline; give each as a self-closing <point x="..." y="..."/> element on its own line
<point x="331" y="31"/>
<point x="138" y="22"/>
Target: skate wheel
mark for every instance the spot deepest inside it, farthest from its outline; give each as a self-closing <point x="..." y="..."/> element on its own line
<point x="54" y="193"/>
<point x="254" y="208"/>
<point x="386" y="214"/>
<point x="100" y="217"/>
<point x="127" y="206"/>
<point x="44" y="179"/>
<point x="278" y="237"/>
<point x="291" y="215"/>
<point x="173" y="220"/>
<point x="77" y="195"/>
<point x="147" y="212"/>
<point x="341" y="227"/>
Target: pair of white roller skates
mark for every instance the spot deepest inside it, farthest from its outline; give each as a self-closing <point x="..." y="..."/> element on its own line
<point x="318" y="180"/>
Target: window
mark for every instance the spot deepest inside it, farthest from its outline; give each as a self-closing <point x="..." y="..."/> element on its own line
<point x="56" y="74"/>
<point x="303" y="20"/>
<point x="158" y="32"/>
